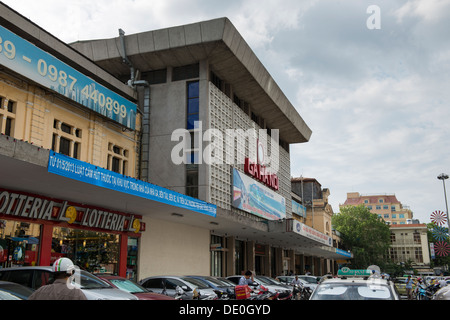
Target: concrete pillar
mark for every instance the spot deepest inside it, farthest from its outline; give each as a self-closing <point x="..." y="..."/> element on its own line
<point x="230" y="257"/>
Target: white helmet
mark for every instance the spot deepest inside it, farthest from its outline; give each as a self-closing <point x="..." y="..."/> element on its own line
<point x="63" y="265"/>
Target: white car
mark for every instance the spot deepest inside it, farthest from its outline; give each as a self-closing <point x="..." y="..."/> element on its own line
<point x="92" y="287"/>
<point x="354" y="288"/>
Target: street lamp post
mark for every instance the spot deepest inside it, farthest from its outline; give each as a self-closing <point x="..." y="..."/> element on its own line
<point x="444" y="177"/>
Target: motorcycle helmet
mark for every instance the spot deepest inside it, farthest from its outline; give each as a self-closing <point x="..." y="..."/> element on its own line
<point x="63" y="265"/>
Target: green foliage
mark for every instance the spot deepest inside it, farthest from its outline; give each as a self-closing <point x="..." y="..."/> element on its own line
<point x="365" y="234"/>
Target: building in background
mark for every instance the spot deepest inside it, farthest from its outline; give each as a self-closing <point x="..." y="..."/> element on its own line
<point x="409" y="243"/>
<point x="385" y="206"/>
<point x="318" y="212"/>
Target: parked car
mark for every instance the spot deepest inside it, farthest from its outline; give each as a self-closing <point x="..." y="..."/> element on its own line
<point x="354" y="288"/>
<point x="443" y="293"/>
<point x="220" y="287"/>
<point x="93" y="287"/>
<point x="288" y="280"/>
<point x="310" y="279"/>
<point x="14" y="291"/>
<point x="169" y="284"/>
<point x="271" y="284"/>
<point x="132" y="287"/>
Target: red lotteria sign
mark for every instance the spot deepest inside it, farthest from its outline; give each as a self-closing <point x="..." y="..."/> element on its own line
<point x="260" y="173"/>
<point x="28" y="206"/>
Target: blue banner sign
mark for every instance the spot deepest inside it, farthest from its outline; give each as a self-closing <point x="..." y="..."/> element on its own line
<point x="85" y="172"/>
<point x="30" y="61"/>
<point x="298" y="209"/>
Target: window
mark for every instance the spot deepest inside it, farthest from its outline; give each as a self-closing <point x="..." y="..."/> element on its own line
<point x="385" y="207"/>
<point x="417" y="239"/>
<point x="95" y="251"/>
<point x="19" y="243"/>
<point x="394" y="216"/>
<point x="192" y="180"/>
<point x="386" y="216"/>
<point x="7" y="116"/>
<point x="366" y="201"/>
<point x="393" y="208"/>
<point x="378" y="207"/>
<point x="193" y="104"/>
<point x="66" y="139"/>
<point x="380" y="200"/>
<point x="186" y="72"/>
<point x="117" y="159"/>
<point x="401" y="216"/>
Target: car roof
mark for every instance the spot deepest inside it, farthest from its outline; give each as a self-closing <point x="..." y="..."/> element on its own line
<point x="356" y="280"/>
<point x="49" y="268"/>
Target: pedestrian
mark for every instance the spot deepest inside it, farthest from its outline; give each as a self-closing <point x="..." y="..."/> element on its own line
<point x="61" y="288"/>
<point x="298" y="287"/>
<point x="409" y="284"/>
<point x="245" y="279"/>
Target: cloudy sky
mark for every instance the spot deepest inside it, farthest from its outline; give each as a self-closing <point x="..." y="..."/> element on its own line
<point x="377" y="100"/>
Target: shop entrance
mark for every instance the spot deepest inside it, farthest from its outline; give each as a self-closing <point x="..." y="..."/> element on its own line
<point x="96" y="252"/>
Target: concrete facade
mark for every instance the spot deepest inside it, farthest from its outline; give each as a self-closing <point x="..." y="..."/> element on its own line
<point x="235" y="92"/>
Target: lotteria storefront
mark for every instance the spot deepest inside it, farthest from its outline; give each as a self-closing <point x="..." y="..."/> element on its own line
<point x="36" y="230"/>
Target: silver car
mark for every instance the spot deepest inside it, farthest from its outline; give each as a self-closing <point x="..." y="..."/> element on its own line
<point x="92" y="287"/>
<point x="171" y="285"/>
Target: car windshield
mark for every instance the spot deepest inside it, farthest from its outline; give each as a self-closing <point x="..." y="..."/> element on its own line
<point x="268" y="280"/>
<point x="127" y="285"/>
<point x="217" y="282"/>
<point x="351" y="291"/>
<point x="198" y="283"/>
<point x="8" y="296"/>
<point x="227" y="282"/>
<point x="309" y="279"/>
<point x="89" y="281"/>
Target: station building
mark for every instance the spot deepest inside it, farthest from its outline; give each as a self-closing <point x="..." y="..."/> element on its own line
<point x="127" y="155"/>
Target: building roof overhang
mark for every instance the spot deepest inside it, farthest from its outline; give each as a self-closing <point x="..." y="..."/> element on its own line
<point x="228" y="55"/>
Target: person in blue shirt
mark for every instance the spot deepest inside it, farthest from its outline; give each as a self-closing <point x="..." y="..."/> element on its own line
<point x="409" y="284"/>
<point x="246" y="279"/>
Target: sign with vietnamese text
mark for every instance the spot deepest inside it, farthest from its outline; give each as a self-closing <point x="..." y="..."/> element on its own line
<point x="88" y="173"/>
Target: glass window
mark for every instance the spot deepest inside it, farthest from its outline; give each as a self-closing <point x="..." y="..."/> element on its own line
<point x="19" y="243"/>
<point x="96" y="252"/>
<point x="132" y="258"/>
<point x="193" y="104"/>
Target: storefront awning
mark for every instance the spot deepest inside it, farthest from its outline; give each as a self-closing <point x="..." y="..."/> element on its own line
<point x="24" y="167"/>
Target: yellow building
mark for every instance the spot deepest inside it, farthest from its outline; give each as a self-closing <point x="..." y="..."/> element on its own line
<point x="385" y="206"/>
<point x="31" y="113"/>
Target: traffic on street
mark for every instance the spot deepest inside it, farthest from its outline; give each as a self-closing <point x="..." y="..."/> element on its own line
<point x="20" y="283"/>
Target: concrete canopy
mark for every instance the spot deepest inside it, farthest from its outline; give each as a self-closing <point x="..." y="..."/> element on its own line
<point x="228" y="55"/>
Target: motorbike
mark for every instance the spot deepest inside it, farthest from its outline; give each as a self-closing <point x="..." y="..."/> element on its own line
<point x="301" y="293"/>
<point x="422" y="292"/>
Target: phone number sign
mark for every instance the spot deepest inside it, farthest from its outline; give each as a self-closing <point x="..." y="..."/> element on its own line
<point x="30" y="61"/>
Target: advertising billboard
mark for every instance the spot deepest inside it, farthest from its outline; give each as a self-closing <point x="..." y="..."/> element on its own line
<point x="255" y="198"/>
<point x="41" y="67"/>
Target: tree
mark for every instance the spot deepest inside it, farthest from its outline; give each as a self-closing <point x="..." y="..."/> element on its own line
<point x="365" y="234"/>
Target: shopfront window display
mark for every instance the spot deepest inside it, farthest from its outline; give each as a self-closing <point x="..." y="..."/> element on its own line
<point x="96" y="252"/>
<point x="19" y="243"/>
